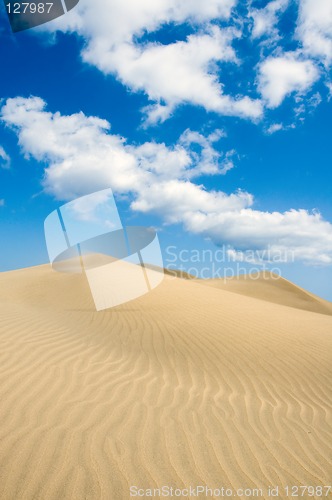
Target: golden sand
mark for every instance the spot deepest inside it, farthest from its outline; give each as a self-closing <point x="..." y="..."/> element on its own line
<point x="193" y="384"/>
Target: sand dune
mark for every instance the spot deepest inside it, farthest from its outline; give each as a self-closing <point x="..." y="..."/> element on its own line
<point x="272" y="288"/>
<point x="188" y="385"/>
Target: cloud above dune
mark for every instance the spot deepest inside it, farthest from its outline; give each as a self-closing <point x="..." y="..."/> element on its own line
<point x="81" y="155"/>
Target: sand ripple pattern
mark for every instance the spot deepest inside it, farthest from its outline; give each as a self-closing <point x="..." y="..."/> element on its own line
<point x="189" y="385"/>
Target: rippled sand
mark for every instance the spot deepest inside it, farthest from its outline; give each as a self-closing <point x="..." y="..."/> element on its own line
<point x="196" y="383"/>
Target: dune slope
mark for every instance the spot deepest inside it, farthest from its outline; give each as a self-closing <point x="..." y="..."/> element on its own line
<point x="272" y="288"/>
<point x="188" y="385"/>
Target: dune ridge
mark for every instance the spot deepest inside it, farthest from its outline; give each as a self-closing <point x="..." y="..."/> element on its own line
<point x="188" y="385"/>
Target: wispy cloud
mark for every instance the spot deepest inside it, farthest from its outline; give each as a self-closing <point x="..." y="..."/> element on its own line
<point x="274" y="127"/>
<point x="4" y="158"/>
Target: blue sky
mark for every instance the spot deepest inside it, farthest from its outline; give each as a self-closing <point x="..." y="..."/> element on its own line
<point x="209" y="121"/>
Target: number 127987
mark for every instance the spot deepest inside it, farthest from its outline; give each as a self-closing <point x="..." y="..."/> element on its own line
<point x="29" y="8"/>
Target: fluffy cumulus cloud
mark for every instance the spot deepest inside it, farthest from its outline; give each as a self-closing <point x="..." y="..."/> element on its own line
<point x="75" y="146"/>
<point x="185" y="71"/>
<point x="121" y="38"/>
<point x="282" y="75"/>
<point x="314" y="28"/>
<point x="82" y="155"/>
<point x="180" y="72"/>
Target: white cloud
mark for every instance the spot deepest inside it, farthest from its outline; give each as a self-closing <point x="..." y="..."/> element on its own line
<point x="194" y="70"/>
<point x="230" y="219"/>
<point x="274" y="127"/>
<point x="76" y="145"/>
<point x="182" y="72"/>
<point x="304" y="106"/>
<point x="83" y="156"/>
<point x="266" y="19"/>
<point x="307" y="235"/>
<point x="329" y="88"/>
<point x="4" y="158"/>
<point x="283" y="75"/>
<point x="2" y="202"/>
<point x="180" y="201"/>
<point x="314" y="28"/>
<point x="119" y="21"/>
